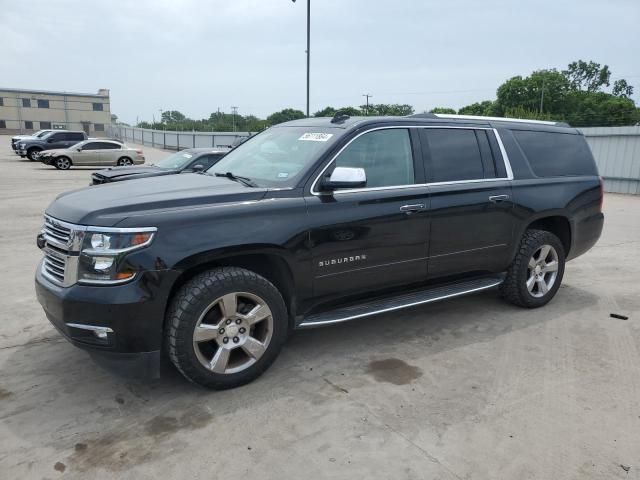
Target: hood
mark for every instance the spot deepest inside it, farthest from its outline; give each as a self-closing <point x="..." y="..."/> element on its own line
<point x="108" y="204"/>
<point x="120" y="173"/>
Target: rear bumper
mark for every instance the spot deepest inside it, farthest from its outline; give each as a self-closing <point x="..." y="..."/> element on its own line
<point x="586" y="234"/>
<point x="121" y="326"/>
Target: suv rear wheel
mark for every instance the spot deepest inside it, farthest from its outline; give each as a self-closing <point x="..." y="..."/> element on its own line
<point x="536" y="272"/>
<point x="225" y="327"/>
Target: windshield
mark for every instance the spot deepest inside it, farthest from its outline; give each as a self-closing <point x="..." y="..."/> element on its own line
<point x="278" y="156"/>
<point x="177" y="160"/>
<point x="40" y="133"/>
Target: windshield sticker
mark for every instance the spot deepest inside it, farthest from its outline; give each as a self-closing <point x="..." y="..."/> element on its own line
<point x="283" y="175"/>
<point x="316" y="137"/>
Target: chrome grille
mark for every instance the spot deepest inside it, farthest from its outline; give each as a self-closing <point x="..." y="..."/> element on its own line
<point x="60" y="251"/>
<point x="54" y="265"/>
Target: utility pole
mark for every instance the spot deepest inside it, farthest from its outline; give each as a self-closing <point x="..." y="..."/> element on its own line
<point x="308" y="51"/>
<point x="235" y="110"/>
<point x="367" y="110"/>
<point x="542" y="96"/>
<point x="160" y="110"/>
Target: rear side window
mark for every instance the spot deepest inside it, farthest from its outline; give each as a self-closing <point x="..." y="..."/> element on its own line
<point x="454" y="154"/>
<point x="109" y="146"/>
<point x="556" y="154"/>
<point x="75" y="136"/>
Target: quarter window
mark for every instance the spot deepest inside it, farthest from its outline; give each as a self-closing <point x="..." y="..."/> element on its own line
<point x="454" y="155"/>
<point x="43" y="103"/>
<point x="97" y="107"/>
<point x="556" y="154"/>
<point x="385" y="156"/>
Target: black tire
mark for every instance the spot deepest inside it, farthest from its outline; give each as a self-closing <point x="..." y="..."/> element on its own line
<point x="31" y="152"/>
<point x="514" y="288"/>
<point x="124" y="161"/>
<point x="194" y="298"/>
<point x="62" y="163"/>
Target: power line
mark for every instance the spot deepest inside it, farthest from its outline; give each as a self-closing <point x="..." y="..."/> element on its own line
<point x="367" y="96"/>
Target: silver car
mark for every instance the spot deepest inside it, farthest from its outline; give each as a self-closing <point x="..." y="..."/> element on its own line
<point x="93" y="152"/>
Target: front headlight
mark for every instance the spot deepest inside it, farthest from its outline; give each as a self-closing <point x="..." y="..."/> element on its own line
<point x="103" y="255"/>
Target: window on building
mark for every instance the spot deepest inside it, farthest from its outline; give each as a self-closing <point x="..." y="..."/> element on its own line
<point x="98" y="127"/>
<point x="454" y="155"/>
<point x="45" y="125"/>
<point x="97" y="107"/>
<point x="28" y="125"/>
<point x="3" y="124"/>
<point x="43" y="103"/>
<point x="1" y="102"/>
<point x="26" y="102"/>
<point x="385" y="156"/>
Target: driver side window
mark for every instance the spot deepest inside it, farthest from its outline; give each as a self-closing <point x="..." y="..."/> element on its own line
<point x="385" y="155"/>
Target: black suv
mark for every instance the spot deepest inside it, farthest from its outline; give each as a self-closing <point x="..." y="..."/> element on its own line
<point x="310" y="223"/>
<point x="56" y="139"/>
<point x="189" y="160"/>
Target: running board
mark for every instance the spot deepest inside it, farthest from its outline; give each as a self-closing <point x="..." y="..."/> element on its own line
<point x="404" y="300"/>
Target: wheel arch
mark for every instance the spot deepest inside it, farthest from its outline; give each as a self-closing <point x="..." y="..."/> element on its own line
<point x="272" y="263"/>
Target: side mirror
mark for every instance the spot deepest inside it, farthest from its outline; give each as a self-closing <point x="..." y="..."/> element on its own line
<point x="79" y="149"/>
<point x="197" y="168"/>
<point x="344" y="177"/>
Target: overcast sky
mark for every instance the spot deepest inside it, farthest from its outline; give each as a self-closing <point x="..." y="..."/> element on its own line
<point x="195" y="56"/>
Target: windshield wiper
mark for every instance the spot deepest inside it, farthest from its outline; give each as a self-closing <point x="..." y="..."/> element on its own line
<point x="237" y="178"/>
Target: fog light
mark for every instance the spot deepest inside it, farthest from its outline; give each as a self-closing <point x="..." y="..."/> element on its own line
<point x="100" y="334"/>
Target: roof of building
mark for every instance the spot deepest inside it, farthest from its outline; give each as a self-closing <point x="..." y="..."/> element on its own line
<point x="51" y="92"/>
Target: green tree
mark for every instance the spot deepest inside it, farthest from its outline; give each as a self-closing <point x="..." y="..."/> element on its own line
<point x="622" y="89"/>
<point x="284" y="116"/>
<point x="394" y="109"/>
<point x="587" y="76"/>
<point x="331" y="111"/>
<point x="546" y="88"/>
<point x="486" y="109"/>
<point x="172" y="116"/>
<point x="442" y="110"/>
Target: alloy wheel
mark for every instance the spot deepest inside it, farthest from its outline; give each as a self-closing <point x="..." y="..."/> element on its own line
<point x="542" y="271"/>
<point x="233" y="332"/>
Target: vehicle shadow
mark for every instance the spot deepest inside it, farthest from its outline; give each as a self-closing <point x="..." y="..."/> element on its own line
<point x="53" y="396"/>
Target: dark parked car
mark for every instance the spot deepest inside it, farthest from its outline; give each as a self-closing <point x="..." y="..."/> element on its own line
<point x="180" y="162"/>
<point x="16" y="139"/>
<point x="57" y="139"/>
<point x="311" y="223"/>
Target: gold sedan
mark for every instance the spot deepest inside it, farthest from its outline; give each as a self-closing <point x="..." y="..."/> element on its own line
<point x="93" y="152"/>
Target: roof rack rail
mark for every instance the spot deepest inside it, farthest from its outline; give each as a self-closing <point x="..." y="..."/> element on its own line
<point x="501" y="119"/>
<point x="422" y="115"/>
<point x="340" y="117"/>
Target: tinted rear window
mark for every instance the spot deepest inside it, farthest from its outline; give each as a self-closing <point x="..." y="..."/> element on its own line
<point x="455" y="155"/>
<point x="556" y="154"/>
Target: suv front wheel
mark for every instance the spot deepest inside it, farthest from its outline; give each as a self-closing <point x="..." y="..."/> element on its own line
<point x="225" y="327"/>
<point x="534" y="276"/>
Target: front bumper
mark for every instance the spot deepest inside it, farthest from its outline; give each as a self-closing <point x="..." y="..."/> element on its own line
<point x="121" y="326"/>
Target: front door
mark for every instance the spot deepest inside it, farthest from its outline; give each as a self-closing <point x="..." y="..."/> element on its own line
<point x="471" y="209"/>
<point x="374" y="237"/>
<point x="89" y="155"/>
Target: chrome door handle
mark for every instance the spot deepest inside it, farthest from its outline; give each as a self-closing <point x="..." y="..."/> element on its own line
<point x="498" y="198"/>
<point x="412" y="208"/>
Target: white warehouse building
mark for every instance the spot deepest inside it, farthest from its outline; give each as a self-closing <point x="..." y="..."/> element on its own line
<point x="26" y="111"/>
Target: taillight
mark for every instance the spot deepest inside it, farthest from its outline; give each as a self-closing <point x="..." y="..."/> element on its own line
<point x="601" y="192"/>
<point x="138" y="151"/>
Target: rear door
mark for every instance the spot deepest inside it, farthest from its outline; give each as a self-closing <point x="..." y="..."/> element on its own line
<point x="110" y="152"/>
<point x="56" y="140"/>
<point x="375" y="237"/>
<point x="471" y="208"/>
<point x="71" y="138"/>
